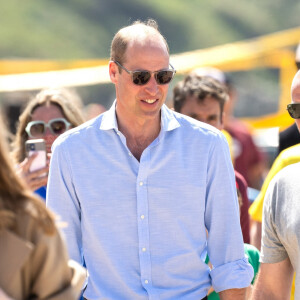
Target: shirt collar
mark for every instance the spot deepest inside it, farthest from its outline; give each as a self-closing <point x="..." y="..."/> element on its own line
<point x="168" y="120"/>
<point x="109" y="120"/>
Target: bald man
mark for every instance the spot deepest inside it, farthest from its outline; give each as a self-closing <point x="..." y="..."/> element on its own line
<point x="280" y="252"/>
<point x="139" y="185"/>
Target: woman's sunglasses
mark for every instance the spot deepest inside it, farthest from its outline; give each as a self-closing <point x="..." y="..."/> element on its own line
<point x="294" y="110"/>
<point x="37" y="129"/>
<point x="142" y="77"/>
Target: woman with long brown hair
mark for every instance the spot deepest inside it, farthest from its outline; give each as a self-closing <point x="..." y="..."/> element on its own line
<point x="33" y="259"/>
<point x="50" y="113"/>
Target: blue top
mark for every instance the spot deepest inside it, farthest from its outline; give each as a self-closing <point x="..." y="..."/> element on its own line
<point x="141" y="225"/>
<point x="42" y="192"/>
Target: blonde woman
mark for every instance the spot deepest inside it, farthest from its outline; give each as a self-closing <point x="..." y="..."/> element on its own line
<point x="49" y="114"/>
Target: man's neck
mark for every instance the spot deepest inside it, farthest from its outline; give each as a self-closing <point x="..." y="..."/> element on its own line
<point x="139" y="133"/>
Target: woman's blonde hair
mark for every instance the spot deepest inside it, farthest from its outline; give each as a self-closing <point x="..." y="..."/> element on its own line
<point x="15" y="197"/>
<point x="67" y="101"/>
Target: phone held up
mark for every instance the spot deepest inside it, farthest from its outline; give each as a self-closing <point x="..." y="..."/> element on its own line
<point x="36" y="146"/>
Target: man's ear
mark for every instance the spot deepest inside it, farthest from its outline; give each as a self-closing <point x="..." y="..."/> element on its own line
<point x="113" y="72"/>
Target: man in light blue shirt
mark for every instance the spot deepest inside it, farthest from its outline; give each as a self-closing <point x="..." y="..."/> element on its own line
<point x="139" y="185"/>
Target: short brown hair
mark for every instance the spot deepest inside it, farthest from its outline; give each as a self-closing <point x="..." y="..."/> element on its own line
<point x="201" y="87"/>
<point x="124" y="35"/>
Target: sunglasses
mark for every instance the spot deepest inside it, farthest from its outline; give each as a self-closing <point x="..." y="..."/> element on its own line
<point x="294" y="110"/>
<point x="142" y="77"/>
<point x="37" y="129"/>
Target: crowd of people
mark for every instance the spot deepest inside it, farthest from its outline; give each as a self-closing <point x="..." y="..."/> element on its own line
<point x="145" y="201"/>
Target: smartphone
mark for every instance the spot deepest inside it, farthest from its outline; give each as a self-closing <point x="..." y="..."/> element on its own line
<point x="36" y="146"/>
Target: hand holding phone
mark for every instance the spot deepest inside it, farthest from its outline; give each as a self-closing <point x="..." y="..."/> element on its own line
<point x="35" y="167"/>
<point x="37" y="146"/>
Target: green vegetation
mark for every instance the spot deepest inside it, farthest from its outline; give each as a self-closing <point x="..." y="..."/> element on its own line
<point x="77" y="29"/>
<point x="72" y="29"/>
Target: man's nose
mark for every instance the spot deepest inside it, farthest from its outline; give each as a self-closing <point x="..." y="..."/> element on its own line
<point x="152" y="86"/>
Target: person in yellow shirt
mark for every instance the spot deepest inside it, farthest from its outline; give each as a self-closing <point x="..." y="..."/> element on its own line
<point x="287" y="157"/>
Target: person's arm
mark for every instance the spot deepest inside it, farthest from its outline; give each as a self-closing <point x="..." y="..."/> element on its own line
<point x="255" y="174"/>
<point x="63" y="201"/>
<point x="255" y="234"/>
<point x="35" y="179"/>
<point x="231" y="269"/>
<point x="274" y="281"/>
<point x="233" y="294"/>
<point x="275" y="277"/>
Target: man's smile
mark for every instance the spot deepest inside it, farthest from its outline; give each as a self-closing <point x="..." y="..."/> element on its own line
<point x="150" y="101"/>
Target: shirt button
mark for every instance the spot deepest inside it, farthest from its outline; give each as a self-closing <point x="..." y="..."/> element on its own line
<point x="129" y="154"/>
<point x="118" y="133"/>
<point x="146" y="281"/>
<point x="141" y="183"/>
<point x="142" y="217"/>
<point x="144" y="249"/>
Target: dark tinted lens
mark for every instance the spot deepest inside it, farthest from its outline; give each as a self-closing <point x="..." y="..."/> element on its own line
<point x="298" y="65"/>
<point x="294" y="110"/>
<point x="164" y="77"/>
<point x="37" y="129"/>
<point x="140" y="77"/>
<point x="58" y="127"/>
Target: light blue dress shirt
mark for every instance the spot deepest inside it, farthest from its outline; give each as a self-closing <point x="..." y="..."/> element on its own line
<point x="141" y="226"/>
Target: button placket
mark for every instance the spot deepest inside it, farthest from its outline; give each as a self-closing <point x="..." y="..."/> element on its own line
<point x="143" y="225"/>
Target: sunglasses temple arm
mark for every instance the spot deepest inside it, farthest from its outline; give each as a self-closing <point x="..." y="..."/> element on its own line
<point x="172" y="67"/>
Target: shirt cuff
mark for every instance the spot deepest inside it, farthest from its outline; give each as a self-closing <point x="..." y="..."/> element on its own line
<point x="234" y="275"/>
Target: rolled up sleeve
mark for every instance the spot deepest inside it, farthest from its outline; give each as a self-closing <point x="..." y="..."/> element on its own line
<point x="233" y="275"/>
